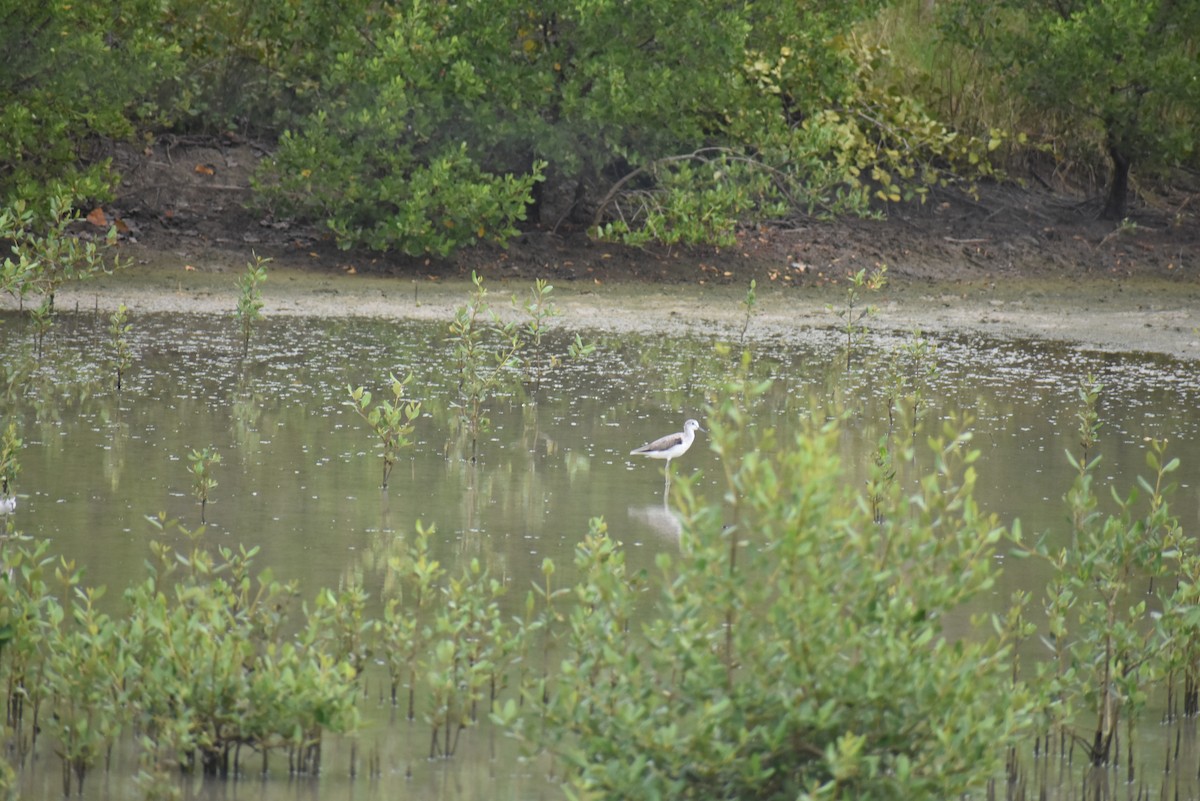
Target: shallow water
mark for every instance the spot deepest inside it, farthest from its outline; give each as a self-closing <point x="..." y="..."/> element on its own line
<point x="300" y="473"/>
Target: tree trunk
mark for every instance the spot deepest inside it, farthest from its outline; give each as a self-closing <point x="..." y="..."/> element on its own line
<point x="1118" y="187"/>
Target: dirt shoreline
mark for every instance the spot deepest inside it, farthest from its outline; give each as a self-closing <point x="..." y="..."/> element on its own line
<point x="1005" y="261"/>
<point x="1138" y="314"/>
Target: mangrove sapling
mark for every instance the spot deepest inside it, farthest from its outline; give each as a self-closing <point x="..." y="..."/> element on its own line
<point x="551" y="618"/>
<point x="397" y="629"/>
<point x="338" y="625"/>
<point x="42" y="319"/>
<point x="204" y="631"/>
<point x="118" y="339"/>
<point x="85" y="683"/>
<point x="250" y="302"/>
<point x="406" y="634"/>
<point x="1016" y="629"/>
<point x="46" y="254"/>
<point x="1105" y="654"/>
<point x="461" y="662"/>
<point x="883" y="477"/>
<point x="854" y="313"/>
<point x="1088" y="416"/>
<point x="728" y="429"/>
<point x="485" y="352"/>
<point x="493" y="354"/>
<point x="526" y="627"/>
<point x="477" y="596"/>
<point x="1180" y="629"/>
<point x="750" y="302"/>
<point x="201" y="468"/>
<point x="912" y="368"/>
<point x="393" y="421"/>
<point x="29" y="614"/>
<point x="605" y="590"/>
<point x="538" y="308"/>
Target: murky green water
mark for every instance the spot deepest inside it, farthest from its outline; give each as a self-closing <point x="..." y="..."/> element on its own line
<point x="300" y="472"/>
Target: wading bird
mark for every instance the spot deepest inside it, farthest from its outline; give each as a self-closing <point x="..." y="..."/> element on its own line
<point x="670" y="446"/>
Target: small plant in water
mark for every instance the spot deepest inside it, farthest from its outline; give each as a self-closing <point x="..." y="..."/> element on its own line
<point x="1088" y="417"/>
<point x="539" y="308"/>
<point x="203" y="462"/>
<point x="118" y="330"/>
<point x="854" y="313"/>
<point x="490" y="354"/>
<point x="1104" y="654"/>
<point x="46" y="254"/>
<point x="250" y="302"/>
<point x="485" y="352"/>
<point x="393" y="421"/>
<point x="750" y="302"/>
<point x="42" y="318"/>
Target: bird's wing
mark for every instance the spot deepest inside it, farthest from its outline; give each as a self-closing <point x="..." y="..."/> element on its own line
<point x="660" y="444"/>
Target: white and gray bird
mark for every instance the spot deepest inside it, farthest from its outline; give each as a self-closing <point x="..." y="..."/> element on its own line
<point x="671" y="445"/>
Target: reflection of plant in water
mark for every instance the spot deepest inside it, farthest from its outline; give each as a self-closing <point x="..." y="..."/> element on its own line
<point x="118" y="332"/>
<point x="247" y="409"/>
<point x="393" y="421"/>
<point x="202" y="463"/>
<point x="16" y="371"/>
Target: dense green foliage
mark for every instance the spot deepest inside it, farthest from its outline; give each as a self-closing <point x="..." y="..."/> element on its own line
<point x="71" y="74"/>
<point x="1122" y="75"/>
<point x="797" y="648"/>
<point x="43" y="255"/>
<point x="424" y="127"/>
<point x="201" y="664"/>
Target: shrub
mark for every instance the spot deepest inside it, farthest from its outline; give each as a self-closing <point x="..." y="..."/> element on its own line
<point x="815" y="664"/>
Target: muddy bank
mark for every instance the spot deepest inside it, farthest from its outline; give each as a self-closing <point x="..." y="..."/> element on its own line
<point x="1148" y="314"/>
<point x="1007" y="262"/>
